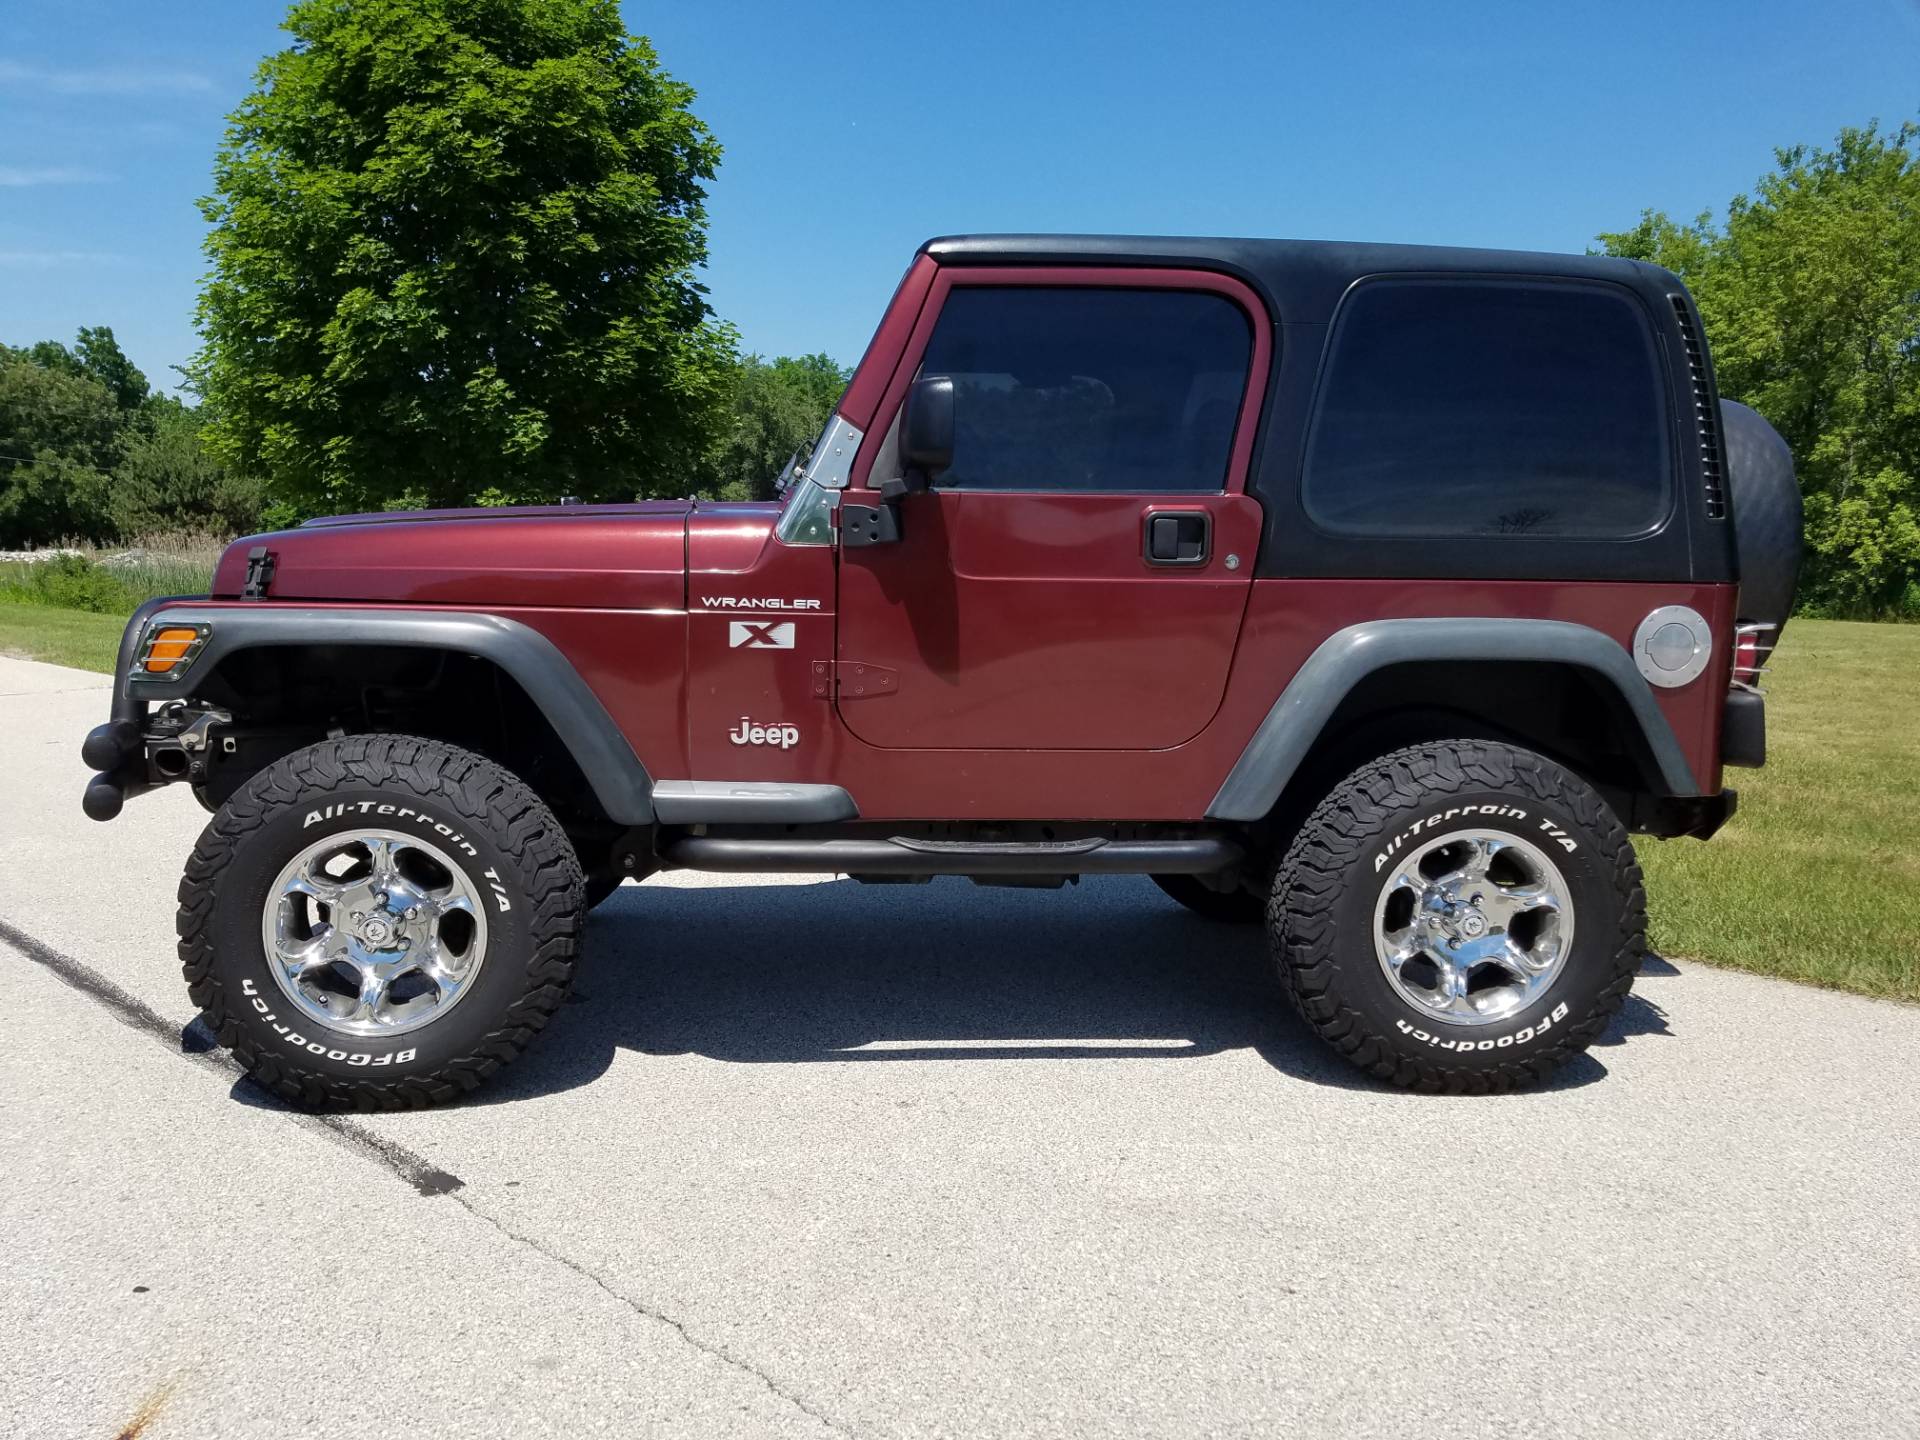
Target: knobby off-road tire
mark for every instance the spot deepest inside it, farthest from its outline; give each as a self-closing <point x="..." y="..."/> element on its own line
<point x="1229" y="907"/>
<point x="1768" y="516"/>
<point x="472" y="858"/>
<point x="1349" y="894"/>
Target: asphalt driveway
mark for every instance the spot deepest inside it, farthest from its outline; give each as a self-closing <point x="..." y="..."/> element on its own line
<point x="812" y="1158"/>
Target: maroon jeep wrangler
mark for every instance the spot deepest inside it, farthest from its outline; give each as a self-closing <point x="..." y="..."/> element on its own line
<point x="1371" y="593"/>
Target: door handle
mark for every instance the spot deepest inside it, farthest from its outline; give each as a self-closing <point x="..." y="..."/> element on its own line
<point x="1179" y="537"/>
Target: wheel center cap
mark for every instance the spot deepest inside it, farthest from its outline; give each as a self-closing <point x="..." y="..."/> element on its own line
<point x="376" y="930"/>
<point x="1473" y="925"/>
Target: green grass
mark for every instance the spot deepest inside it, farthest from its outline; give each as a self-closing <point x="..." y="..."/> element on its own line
<point x="1817" y="878"/>
<point x="61" y="637"/>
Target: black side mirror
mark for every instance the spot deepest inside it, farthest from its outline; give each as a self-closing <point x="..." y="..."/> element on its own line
<point x="926" y="429"/>
<point x="926" y="448"/>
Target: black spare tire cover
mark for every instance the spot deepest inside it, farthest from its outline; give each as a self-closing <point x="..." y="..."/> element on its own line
<point x="1766" y="514"/>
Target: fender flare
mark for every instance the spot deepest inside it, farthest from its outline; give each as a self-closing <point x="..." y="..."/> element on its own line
<point x="1299" y="717"/>
<point x="620" y="782"/>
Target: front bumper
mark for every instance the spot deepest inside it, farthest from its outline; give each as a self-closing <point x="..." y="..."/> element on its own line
<point x="117" y="750"/>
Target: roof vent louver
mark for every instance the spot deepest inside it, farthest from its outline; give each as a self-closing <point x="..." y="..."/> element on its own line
<point x="1706" y="411"/>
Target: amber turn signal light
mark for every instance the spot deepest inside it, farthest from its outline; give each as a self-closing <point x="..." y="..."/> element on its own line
<point x="168" y="647"/>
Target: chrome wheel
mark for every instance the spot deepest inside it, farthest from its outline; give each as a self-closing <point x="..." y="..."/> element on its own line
<point x="1473" y="926"/>
<point x="374" y="932"/>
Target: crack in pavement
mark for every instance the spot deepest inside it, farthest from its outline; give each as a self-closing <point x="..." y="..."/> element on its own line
<point x="720" y="1353"/>
<point x="196" y="1043"/>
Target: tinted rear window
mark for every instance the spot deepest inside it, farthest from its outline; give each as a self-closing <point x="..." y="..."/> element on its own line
<point x="1489" y="408"/>
<point x="1079" y="388"/>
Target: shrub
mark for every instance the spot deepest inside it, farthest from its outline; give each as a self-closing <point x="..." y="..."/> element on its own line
<point x="71" y="582"/>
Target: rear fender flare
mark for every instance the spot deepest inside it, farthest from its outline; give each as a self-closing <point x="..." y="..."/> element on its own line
<point x="620" y="782"/>
<point x="1343" y="659"/>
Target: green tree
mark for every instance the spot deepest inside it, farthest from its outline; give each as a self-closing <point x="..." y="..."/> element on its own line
<point x="61" y="433"/>
<point x="88" y="452"/>
<point x="1811" y="295"/>
<point x="96" y="355"/>
<point x="454" y="250"/>
<point x="775" y="409"/>
<point x="167" y="479"/>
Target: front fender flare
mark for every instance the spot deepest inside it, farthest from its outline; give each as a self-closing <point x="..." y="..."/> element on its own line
<point x="620" y="782"/>
<point x="1343" y="659"/>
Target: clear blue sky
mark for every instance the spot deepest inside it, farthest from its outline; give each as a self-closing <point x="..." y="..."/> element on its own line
<point x="856" y="129"/>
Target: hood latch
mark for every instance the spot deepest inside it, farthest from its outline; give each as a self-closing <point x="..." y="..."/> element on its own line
<point x="260" y="563"/>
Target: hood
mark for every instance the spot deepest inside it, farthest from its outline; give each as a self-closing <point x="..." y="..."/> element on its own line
<point x="625" y="557"/>
<point x="503" y="512"/>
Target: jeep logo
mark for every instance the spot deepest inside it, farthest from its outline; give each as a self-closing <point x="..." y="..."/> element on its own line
<point x="783" y="736"/>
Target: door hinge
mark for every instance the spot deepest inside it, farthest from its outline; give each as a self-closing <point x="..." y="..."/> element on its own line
<point x="853" y="680"/>
<point x="868" y="525"/>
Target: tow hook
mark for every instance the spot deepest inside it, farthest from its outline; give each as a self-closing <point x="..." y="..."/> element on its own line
<point x="174" y="747"/>
<point x="177" y="744"/>
<point x="198" y="731"/>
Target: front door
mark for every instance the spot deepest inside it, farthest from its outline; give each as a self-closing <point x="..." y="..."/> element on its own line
<point x="1075" y="580"/>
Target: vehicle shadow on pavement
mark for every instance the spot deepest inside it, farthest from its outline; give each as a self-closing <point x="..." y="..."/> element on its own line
<point x="841" y="972"/>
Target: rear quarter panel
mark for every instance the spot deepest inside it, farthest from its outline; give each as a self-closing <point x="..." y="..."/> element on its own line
<point x="1288" y="619"/>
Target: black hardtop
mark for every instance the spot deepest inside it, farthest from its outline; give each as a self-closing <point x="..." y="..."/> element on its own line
<point x="1302" y="283"/>
<point x="1301" y="280"/>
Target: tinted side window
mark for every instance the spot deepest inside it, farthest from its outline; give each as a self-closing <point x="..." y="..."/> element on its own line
<point x="1090" y="389"/>
<point x="1481" y="408"/>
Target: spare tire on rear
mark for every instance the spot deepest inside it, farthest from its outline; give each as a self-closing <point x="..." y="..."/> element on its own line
<point x="1766" y="516"/>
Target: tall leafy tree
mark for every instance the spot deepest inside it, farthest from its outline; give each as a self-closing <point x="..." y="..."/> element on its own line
<point x="88" y="452"/>
<point x="168" y="480"/>
<point x="776" y="408"/>
<point x="455" y="248"/>
<point x="97" y="356"/>
<point x="1811" y="294"/>
<point x="61" y="434"/>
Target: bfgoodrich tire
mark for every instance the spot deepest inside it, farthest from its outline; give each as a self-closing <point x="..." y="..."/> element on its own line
<point x="1459" y="916"/>
<point x="1768" y="516"/>
<point x="380" y="922"/>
